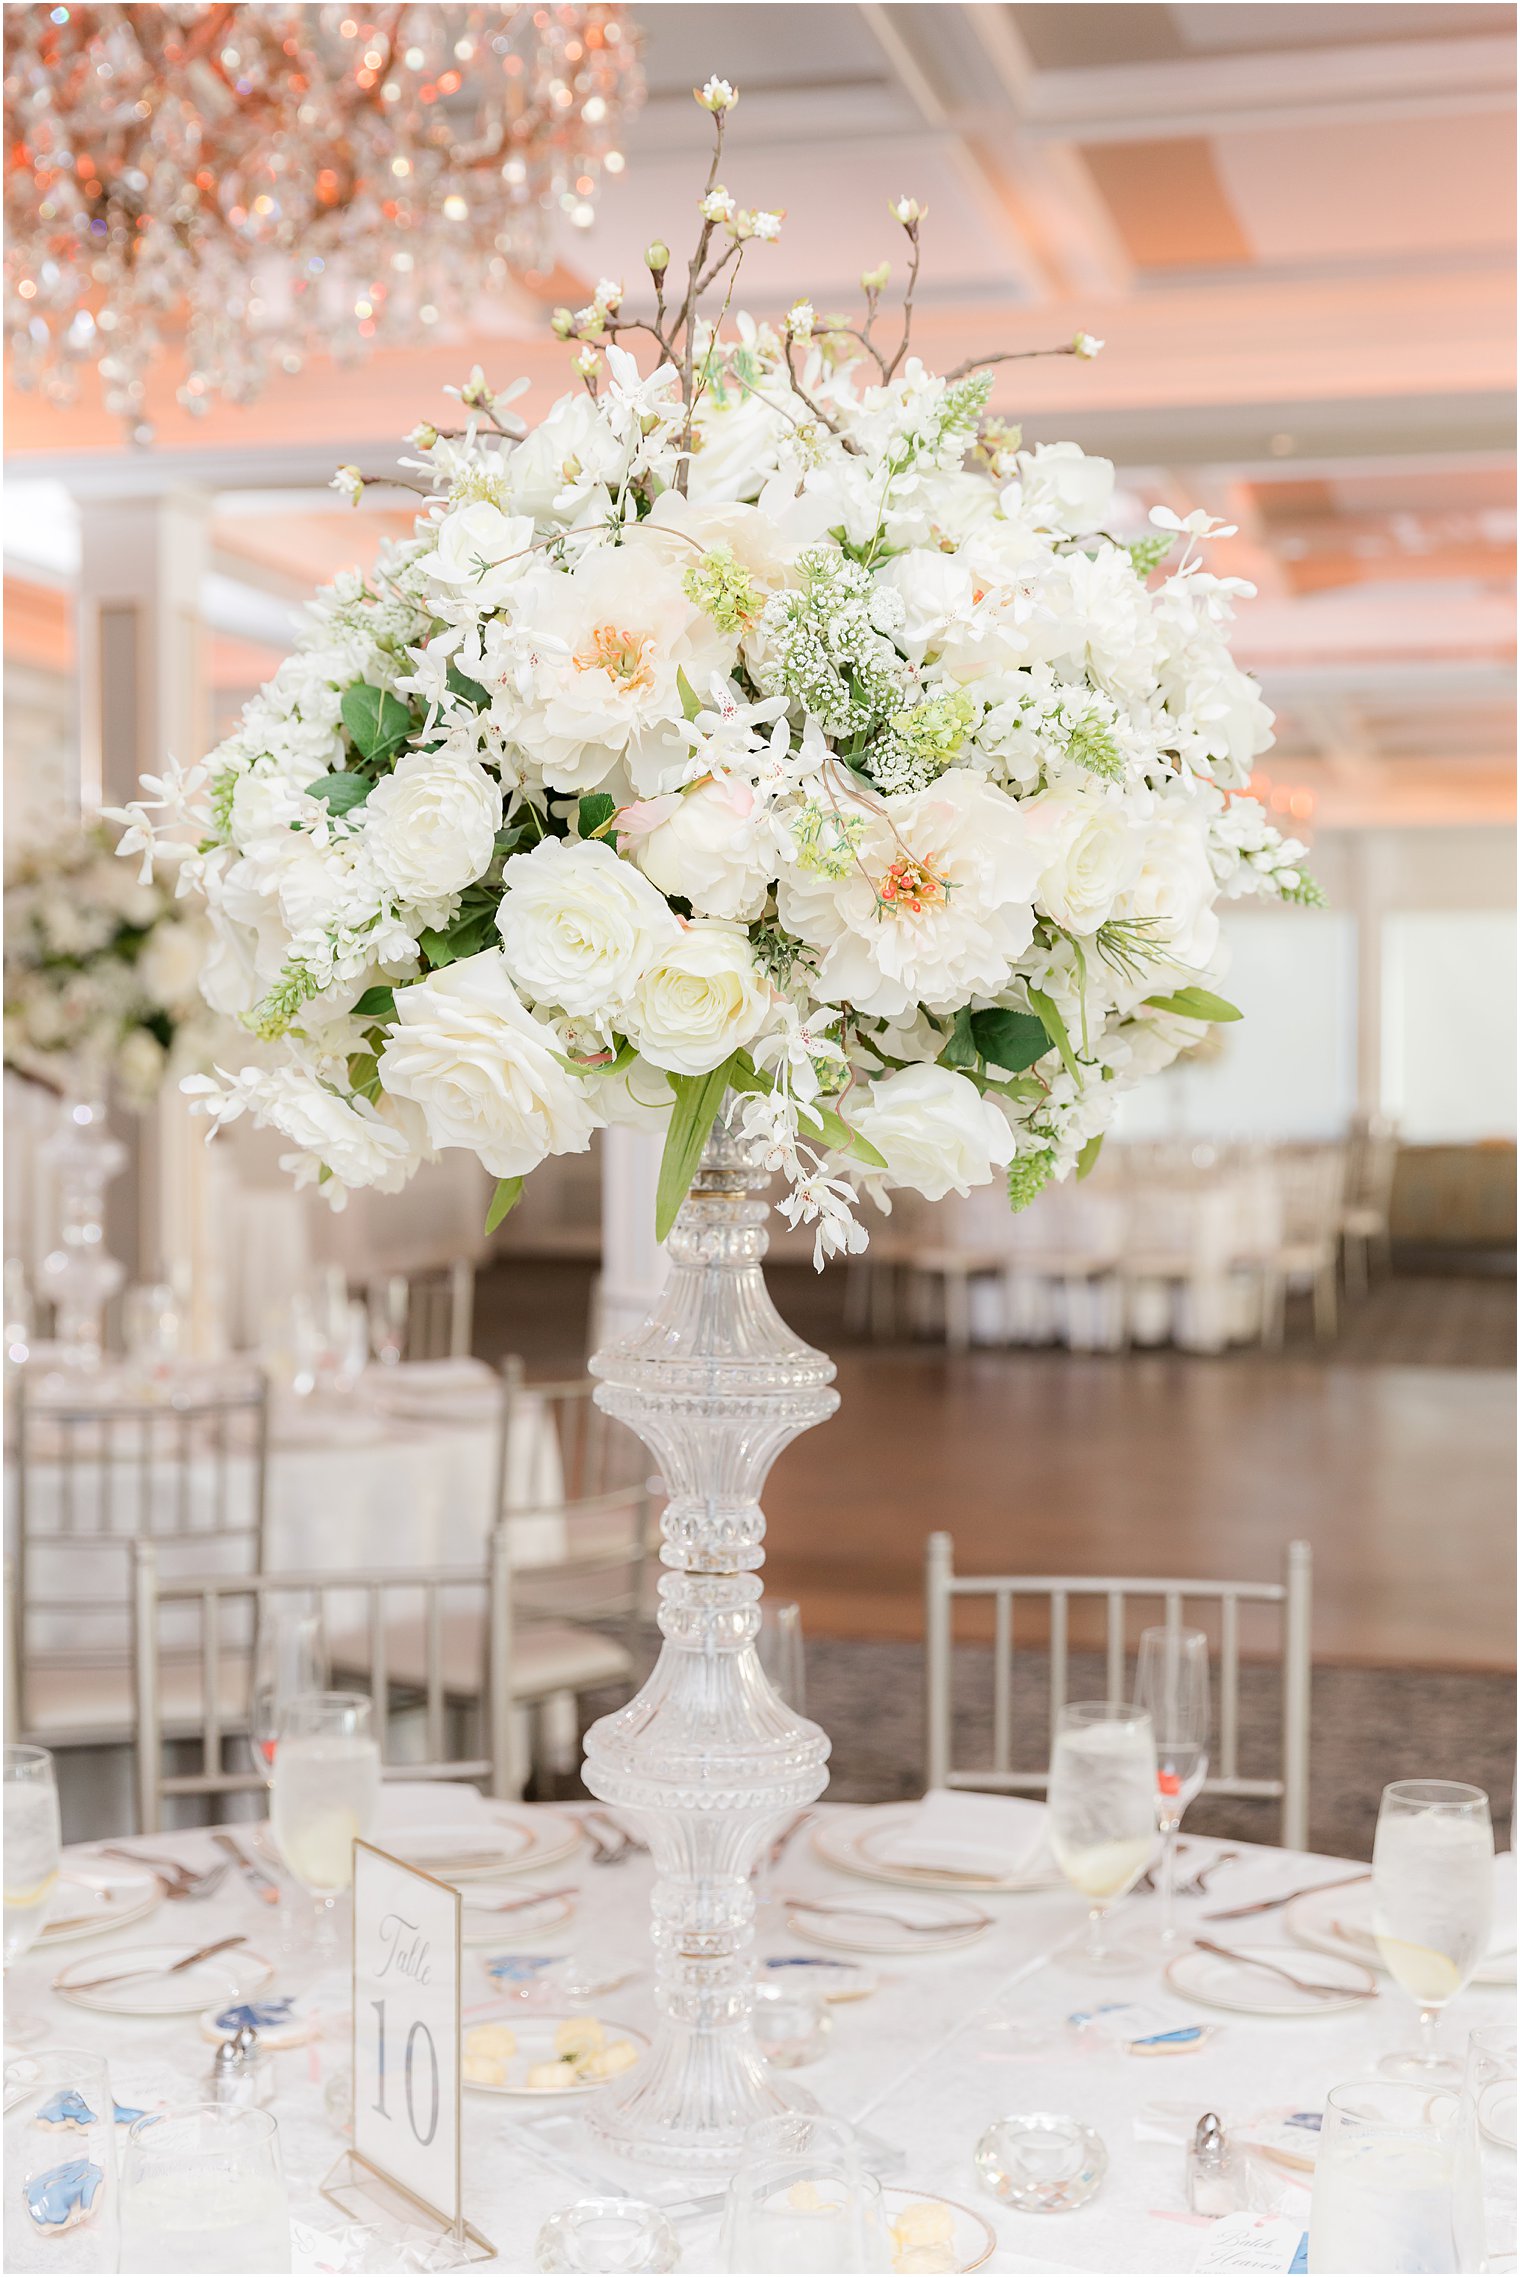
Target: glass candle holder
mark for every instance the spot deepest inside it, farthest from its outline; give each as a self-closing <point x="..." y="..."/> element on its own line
<point x="607" y="2235"/>
<point x="792" y="2025"/>
<point x="1041" y="2162"/>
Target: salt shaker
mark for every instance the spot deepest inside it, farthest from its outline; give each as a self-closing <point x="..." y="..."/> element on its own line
<point x="1216" y="2178"/>
<point x="240" y="2072"/>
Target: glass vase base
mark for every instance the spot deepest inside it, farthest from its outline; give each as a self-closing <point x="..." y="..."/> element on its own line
<point x="1436" y="2070"/>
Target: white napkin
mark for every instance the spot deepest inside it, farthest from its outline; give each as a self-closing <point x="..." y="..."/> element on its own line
<point x="409" y="1803"/>
<point x="993" y="1835"/>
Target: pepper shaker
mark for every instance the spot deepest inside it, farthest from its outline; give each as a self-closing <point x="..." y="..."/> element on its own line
<point x="1216" y="2179"/>
<point x="240" y="2071"/>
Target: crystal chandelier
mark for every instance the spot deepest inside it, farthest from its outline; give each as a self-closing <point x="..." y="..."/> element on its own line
<point x="244" y="186"/>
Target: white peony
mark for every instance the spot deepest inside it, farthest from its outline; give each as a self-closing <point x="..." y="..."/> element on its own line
<point x="701" y="999"/>
<point x="937" y="903"/>
<point x="567" y="464"/>
<point x="935" y="1131"/>
<point x="170" y="963"/>
<point x="1175" y="889"/>
<point x="430" y="826"/>
<point x="579" y="926"/>
<point x="1061" y="488"/>
<point x="710" y="844"/>
<point x="485" y="1073"/>
<point x="482" y="552"/>
<point x="1089" y="855"/>
<point x="357" y="1142"/>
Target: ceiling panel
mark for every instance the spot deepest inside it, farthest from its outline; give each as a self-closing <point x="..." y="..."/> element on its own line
<point x="1393" y="189"/>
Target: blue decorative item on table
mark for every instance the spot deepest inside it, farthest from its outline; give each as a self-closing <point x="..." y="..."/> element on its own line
<point x="65" y="2196"/>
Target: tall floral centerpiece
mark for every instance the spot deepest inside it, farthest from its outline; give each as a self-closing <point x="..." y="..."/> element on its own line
<point x="766" y="748"/>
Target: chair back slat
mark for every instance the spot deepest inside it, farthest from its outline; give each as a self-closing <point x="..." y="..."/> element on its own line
<point x="1289" y="1599"/>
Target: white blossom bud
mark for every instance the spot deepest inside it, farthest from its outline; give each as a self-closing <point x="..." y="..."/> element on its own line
<point x="609" y="294"/>
<point x="800" y="320"/>
<point x="718" y="205"/>
<point x="906" y="210"/>
<point x="717" y="95"/>
<point x="1086" y="346"/>
<point x="349" y="483"/>
<point x="562" y="323"/>
<point x="657" y="258"/>
<point x="588" y="363"/>
<point x="423" y="436"/>
<point x="875" y="280"/>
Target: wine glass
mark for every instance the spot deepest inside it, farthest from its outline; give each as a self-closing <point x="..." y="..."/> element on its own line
<point x="203" y="2189"/>
<point x="388" y="1301"/>
<point x="290" y="1659"/>
<point x="1432" y="1904"/>
<point x="60" y="2162"/>
<point x="1102" y="1812"/>
<point x="33" y="1843"/>
<point x="779" y="1645"/>
<point x="1172" y="1685"/>
<point x="1395" y="2182"/>
<point x="803" y="2199"/>
<point x="326" y="1794"/>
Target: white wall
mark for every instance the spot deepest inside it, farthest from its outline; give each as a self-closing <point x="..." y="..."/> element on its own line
<point x="1449" y="1024"/>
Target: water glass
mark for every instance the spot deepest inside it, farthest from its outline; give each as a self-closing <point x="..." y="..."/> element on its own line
<point x="203" y="2189"/>
<point x="151" y="1326"/>
<point x="1395" y="2183"/>
<point x="1102" y="1812"/>
<point x="803" y="2200"/>
<point x="290" y="1661"/>
<point x="325" y="1795"/>
<point x="792" y="2025"/>
<point x="607" y="2236"/>
<point x="32" y="1845"/>
<point x="1490" y="2088"/>
<point x="1172" y="1685"/>
<point x="20" y="1320"/>
<point x="60" y="2162"/>
<point x="1432" y="1906"/>
<point x="779" y="1646"/>
<point x="388" y="1302"/>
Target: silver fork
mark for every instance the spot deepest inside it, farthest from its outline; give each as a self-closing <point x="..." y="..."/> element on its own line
<point x="898" y="1920"/>
<point x="179" y="1881"/>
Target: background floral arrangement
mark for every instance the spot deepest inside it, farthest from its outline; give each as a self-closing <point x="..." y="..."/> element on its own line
<point x="769" y="723"/>
<point x="102" y="970"/>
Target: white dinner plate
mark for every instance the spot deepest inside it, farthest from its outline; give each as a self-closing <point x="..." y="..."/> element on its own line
<point x="234" y="1975"/>
<point x="1340" y="1922"/>
<point x="1247" y="1991"/>
<point x="857" y="1842"/>
<point x="90" y="1899"/>
<point x="972" y="2242"/>
<point x="535" y="2045"/>
<point x="510" y="1842"/>
<point x="875" y="1925"/>
<point x="483" y="1923"/>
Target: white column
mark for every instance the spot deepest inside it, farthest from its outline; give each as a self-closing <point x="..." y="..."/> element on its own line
<point x="634" y="1264"/>
<point x="143" y="697"/>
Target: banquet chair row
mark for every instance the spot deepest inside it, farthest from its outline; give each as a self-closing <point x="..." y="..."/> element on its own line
<point x="1288" y="1603"/>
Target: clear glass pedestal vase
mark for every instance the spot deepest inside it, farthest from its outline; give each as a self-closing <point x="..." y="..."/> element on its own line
<point x="79" y="1276"/>
<point x="707" y="1759"/>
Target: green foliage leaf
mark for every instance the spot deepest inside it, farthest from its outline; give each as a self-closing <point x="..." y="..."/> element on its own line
<point x="1055" y="1029"/>
<point x="376" y="1004"/>
<point x="1197" y="1004"/>
<point x="460" y="684"/>
<point x="1014" y="1040"/>
<point x="691" y="702"/>
<point x="364" y="1075"/>
<point x="503" y="1202"/>
<point x="1087" y="1160"/>
<point x="377" y="722"/>
<point x="960" y="1050"/>
<point x="473" y="929"/>
<point x="596" y="811"/>
<point x="342" y="792"/>
<point x="830" y="1125"/>
<point x="698" y="1098"/>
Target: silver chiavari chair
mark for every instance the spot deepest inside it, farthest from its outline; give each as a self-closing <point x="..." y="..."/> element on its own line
<point x="439" y="1311"/>
<point x="447" y="1697"/>
<point x="1288" y="1601"/>
<point x="92" y="1478"/>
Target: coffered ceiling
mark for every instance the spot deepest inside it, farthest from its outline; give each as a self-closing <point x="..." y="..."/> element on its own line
<point x="1292" y="224"/>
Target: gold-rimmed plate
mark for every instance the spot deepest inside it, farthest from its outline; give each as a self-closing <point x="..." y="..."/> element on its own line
<point x="90" y="1899"/>
<point x="858" y="1842"/>
<point x="971" y="2243"/>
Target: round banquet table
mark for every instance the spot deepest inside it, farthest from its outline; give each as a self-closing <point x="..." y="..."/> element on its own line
<point x="946" y="2043"/>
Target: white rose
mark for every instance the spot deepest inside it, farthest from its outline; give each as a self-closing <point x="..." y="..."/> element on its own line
<point x="1061" y="488"/>
<point x="1175" y="890"/>
<point x="1089" y="855"/>
<point x="485" y="1073"/>
<point x="579" y="925"/>
<point x="709" y="844"/>
<point x="357" y="1142"/>
<point x="573" y="453"/>
<point x="937" y="590"/>
<point x="430" y="826"/>
<point x="482" y="551"/>
<point x="702" y="998"/>
<point x="169" y="966"/>
<point x="735" y="447"/>
<point x="935" y="1130"/>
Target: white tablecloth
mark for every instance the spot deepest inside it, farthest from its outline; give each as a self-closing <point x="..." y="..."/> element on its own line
<point x="947" y="2043"/>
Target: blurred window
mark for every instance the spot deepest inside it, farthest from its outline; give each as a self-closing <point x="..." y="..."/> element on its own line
<point x="1449" y="1024"/>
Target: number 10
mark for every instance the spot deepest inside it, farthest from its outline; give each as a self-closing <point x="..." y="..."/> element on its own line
<point x="379" y="2104"/>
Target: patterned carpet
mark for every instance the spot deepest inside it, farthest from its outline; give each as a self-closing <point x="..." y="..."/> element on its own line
<point x="1369" y="1725"/>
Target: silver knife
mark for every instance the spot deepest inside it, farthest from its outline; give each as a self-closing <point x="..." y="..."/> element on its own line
<point x="263" y="1886"/>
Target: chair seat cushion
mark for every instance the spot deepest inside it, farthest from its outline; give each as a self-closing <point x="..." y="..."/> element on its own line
<point x="80" y="1707"/>
<point x="547" y="1656"/>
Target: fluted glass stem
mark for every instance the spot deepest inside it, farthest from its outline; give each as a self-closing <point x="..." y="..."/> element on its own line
<point x="707" y="1758"/>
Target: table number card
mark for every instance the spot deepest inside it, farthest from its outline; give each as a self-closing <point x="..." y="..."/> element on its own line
<point x="406" y="2062"/>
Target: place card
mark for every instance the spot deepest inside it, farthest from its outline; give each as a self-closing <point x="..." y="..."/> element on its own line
<point x="1255" y="2242"/>
<point x="407" y="2104"/>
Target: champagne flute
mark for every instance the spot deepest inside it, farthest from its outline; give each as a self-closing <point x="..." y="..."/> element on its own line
<point x="1102" y="1805"/>
<point x="326" y="1794"/>
<point x="1432" y="1904"/>
<point x="1172" y="1684"/>
<point x="33" y="1844"/>
<point x="388" y="1302"/>
<point x="290" y="1660"/>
